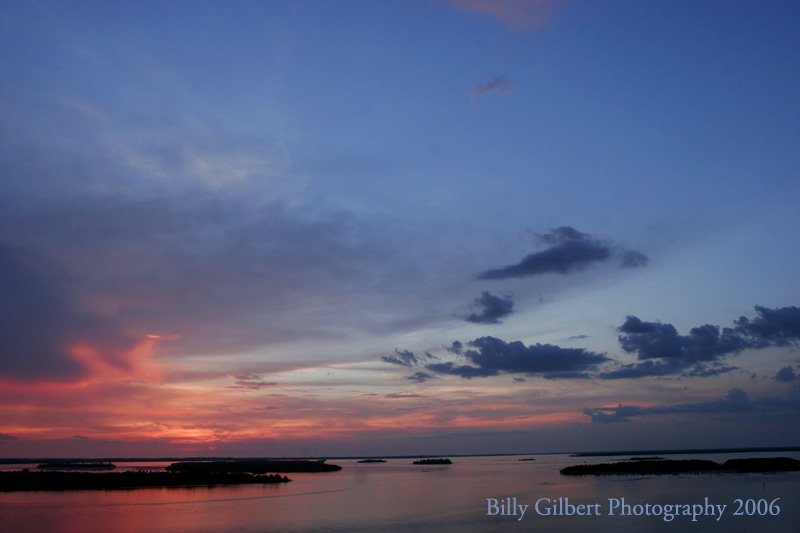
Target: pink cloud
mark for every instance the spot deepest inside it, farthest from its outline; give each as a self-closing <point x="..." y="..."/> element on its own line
<point x="517" y="14"/>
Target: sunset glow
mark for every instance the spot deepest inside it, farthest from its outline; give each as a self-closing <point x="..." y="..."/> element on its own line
<point x="445" y="226"/>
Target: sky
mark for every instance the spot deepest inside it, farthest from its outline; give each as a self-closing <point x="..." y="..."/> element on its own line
<point x="297" y="228"/>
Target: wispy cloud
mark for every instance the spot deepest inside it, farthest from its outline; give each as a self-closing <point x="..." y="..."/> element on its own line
<point x="736" y="401"/>
<point x="494" y="84"/>
<point x="251" y="382"/>
<point x="516" y="14"/>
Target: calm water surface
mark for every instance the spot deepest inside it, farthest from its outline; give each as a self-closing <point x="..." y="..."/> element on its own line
<point x="397" y="496"/>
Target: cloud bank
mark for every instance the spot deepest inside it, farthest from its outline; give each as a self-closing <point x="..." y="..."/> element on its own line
<point x="663" y="351"/>
<point x="736" y="401"/>
<point x="660" y="349"/>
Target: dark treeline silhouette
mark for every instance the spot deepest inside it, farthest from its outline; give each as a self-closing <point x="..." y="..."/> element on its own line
<point x="763" y="464"/>
<point x="25" y="480"/>
<point x="253" y="466"/>
<point x="372" y="461"/>
<point x="438" y="461"/>
<point x="687" y="451"/>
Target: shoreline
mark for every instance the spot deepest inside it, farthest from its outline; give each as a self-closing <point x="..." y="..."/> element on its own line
<point x="26" y="480"/>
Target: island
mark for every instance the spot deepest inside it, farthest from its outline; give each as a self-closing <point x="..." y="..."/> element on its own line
<point x="438" y="461"/>
<point x="26" y="480"/>
<point x="371" y="461"/>
<point x="689" y="466"/>
<point x="253" y="466"/>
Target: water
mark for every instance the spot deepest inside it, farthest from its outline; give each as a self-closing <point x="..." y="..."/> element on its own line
<point x="397" y="496"/>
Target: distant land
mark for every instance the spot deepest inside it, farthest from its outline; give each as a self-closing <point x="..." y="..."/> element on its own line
<point x="37" y="460"/>
<point x="433" y="461"/>
<point x="689" y="451"/>
<point x="26" y="480"/>
<point x="253" y="466"/>
<point x="688" y="466"/>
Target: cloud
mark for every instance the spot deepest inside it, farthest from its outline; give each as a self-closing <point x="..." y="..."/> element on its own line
<point x="43" y="332"/>
<point x="632" y="259"/>
<point x="651" y="340"/>
<point x="663" y="351"/>
<point x="786" y="374"/>
<point x="251" y="382"/>
<point x="421" y="377"/>
<point x="494" y="84"/>
<point x="516" y="14"/>
<point x="404" y="358"/>
<point x="457" y="347"/>
<point x="493" y="308"/>
<point x="736" y="401"/>
<point x="568" y="251"/>
<point x="491" y="356"/>
<point x="776" y="327"/>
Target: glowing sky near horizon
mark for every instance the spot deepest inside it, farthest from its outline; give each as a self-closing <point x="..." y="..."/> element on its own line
<point x="383" y="228"/>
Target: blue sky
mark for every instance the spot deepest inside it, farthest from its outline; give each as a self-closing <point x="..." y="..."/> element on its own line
<point x="260" y="227"/>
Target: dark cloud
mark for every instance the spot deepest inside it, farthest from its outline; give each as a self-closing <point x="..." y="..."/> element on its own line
<point x="491" y="356"/>
<point x="654" y="340"/>
<point x="494" y="84"/>
<point x="786" y="374"/>
<point x="404" y="358"/>
<point x="663" y="351"/>
<point x="705" y="371"/>
<point x="40" y="323"/>
<point x="568" y="251"/>
<point x="251" y="382"/>
<point x="736" y="401"/>
<point x="421" y="377"/>
<point x="465" y="371"/>
<point x="776" y="327"/>
<point x="456" y="348"/>
<point x="401" y="395"/>
<point x="578" y="337"/>
<point x="492" y="309"/>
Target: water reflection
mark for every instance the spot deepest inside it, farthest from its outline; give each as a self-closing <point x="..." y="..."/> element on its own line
<point x="396" y="496"/>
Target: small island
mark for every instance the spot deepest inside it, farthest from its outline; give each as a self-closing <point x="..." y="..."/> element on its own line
<point x="437" y="461"/>
<point x="372" y="461"/>
<point x="253" y="466"/>
<point x="527" y="459"/>
<point x="26" y="480"/>
<point x="690" y="466"/>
